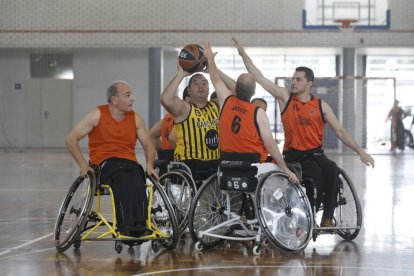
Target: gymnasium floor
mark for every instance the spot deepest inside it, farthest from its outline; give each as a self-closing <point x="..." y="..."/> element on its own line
<point x="33" y="183"/>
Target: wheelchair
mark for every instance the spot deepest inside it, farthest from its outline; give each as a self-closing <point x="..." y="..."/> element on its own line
<point x="77" y="222"/>
<point x="249" y="201"/>
<point x="282" y="213"/>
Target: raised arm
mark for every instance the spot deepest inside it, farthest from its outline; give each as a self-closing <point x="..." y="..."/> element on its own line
<point x="83" y="128"/>
<point x="229" y="82"/>
<point x="344" y="135"/>
<point x="279" y="92"/>
<point x="146" y="142"/>
<point x="170" y="101"/>
<point x="270" y="143"/>
<point x="219" y="86"/>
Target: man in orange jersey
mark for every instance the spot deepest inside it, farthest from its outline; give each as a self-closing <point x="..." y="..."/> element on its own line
<point x="303" y="117"/>
<point x="113" y="130"/>
<point x="243" y="127"/>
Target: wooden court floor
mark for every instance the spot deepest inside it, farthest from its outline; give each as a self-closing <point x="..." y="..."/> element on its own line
<point x="33" y="183"/>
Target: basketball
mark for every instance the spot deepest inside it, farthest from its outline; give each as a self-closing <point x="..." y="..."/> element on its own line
<point x="192" y="59"/>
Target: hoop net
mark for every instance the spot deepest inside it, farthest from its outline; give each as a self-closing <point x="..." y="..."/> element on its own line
<point x="346" y="24"/>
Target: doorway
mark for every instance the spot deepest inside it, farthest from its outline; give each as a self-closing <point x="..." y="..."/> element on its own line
<point x="48" y="112"/>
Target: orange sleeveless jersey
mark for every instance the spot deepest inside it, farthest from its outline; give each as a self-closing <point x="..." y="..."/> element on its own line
<point x="303" y="124"/>
<point x="111" y="138"/>
<point x="166" y="128"/>
<point x="238" y="128"/>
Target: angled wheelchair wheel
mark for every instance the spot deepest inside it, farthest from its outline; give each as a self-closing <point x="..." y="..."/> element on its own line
<point x="208" y="210"/>
<point x="348" y="213"/>
<point x="74" y="211"/>
<point x="163" y="216"/>
<point x="180" y="189"/>
<point x="284" y="212"/>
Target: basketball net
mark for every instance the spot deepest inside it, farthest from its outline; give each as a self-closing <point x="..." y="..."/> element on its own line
<point x="346" y="25"/>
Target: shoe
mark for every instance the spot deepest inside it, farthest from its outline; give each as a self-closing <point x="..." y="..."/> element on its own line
<point x="327" y="222"/>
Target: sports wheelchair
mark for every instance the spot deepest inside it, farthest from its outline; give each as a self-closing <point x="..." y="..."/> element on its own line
<point x="77" y="222"/>
<point x="251" y="201"/>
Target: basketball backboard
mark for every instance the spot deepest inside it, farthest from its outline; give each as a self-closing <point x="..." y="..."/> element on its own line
<point x="341" y="14"/>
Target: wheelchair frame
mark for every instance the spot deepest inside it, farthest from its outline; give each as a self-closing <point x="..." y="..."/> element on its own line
<point x="295" y="209"/>
<point x="84" y="215"/>
<point x="210" y="212"/>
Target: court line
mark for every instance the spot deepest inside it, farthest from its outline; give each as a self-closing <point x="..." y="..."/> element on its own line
<point x="25" y="244"/>
<point x="26" y="253"/>
<point x="270" y="266"/>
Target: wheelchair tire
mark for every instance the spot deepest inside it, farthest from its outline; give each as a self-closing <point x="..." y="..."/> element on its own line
<point x="180" y="189"/>
<point x="348" y="213"/>
<point x="74" y="211"/>
<point x="207" y="210"/>
<point x="284" y="212"/>
<point x="163" y="216"/>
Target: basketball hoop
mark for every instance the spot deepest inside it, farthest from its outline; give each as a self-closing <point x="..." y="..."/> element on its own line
<point x="346" y="24"/>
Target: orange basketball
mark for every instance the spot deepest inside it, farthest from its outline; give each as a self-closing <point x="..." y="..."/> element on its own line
<point x="192" y="58"/>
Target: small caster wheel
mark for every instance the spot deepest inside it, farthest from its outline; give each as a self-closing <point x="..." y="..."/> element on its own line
<point x="118" y="247"/>
<point x="77" y="243"/>
<point x="314" y="236"/>
<point x="154" y="246"/>
<point x="256" y="250"/>
<point x="198" y="246"/>
<point x="265" y="243"/>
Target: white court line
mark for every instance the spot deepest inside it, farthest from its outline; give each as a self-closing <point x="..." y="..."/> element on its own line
<point x="26" y="253"/>
<point x="32" y="190"/>
<point x="266" y="266"/>
<point x="25" y="244"/>
<point x="25" y="219"/>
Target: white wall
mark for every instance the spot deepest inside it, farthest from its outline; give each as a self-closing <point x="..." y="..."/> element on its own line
<point x="159" y="23"/>
<point x="109" y="41"/>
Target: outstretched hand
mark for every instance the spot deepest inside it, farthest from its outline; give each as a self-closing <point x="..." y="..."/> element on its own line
<point x="367" y="159"/>
<point x="208" y="52"/>
<point x="237" y="44"/>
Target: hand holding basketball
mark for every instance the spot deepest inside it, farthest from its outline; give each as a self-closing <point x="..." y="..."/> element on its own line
<point x="192" y="59"/>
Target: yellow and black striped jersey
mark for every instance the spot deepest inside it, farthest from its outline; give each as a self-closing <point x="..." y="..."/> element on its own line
<point x="197" y="135"/>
